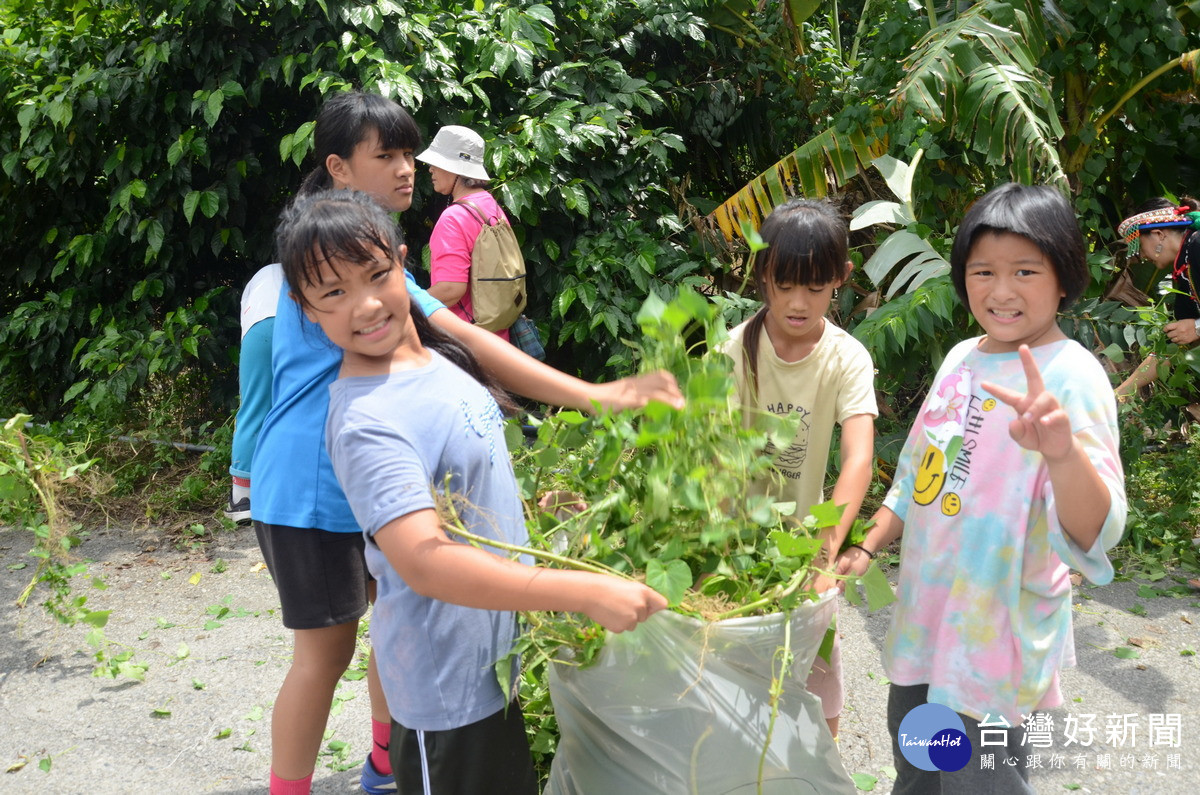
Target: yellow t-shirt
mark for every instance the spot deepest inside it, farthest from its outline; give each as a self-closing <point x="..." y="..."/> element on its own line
<point x="833" y="382"/>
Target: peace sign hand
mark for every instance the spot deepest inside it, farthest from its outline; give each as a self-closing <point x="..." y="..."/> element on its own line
<point x="1041" y="422"/>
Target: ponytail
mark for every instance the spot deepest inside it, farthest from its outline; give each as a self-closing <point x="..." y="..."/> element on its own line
<point x="750" y="338"/>
<point x="316" y="180"/>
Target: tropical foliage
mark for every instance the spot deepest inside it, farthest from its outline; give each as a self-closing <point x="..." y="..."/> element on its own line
<point x="148" y="145"/>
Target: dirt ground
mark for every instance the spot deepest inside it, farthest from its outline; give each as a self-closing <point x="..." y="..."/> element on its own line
<point x="204" y="623"/>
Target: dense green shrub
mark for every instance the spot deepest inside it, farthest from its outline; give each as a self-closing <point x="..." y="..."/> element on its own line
<point x="150" y="145"/>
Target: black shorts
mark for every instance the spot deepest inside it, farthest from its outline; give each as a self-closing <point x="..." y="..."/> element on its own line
<point x="490" y="755"/>
<point x="321" y="576"/>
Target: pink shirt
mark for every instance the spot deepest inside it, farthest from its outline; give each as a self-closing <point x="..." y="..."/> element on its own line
<point x="451" y="244"/>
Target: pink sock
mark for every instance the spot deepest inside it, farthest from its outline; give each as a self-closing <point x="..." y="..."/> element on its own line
<point x="381" y="734"/>
<point x="283" y="786"/>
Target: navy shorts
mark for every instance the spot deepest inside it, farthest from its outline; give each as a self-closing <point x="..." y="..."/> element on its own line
<point x="321" y="576"/>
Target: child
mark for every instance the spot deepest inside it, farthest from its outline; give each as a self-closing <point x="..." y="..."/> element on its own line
<point x="310" y="540"/>
<point x="259" y="300"/>
<point x="410" y="424"/>
<point x="995" y="507"/>
<point x="805" y="365"/>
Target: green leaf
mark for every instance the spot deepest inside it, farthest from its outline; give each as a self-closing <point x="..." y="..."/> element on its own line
<point x="504" y="676"/>
<point x="96" y="618"/>
<point x="864" y="782"/>
<point x="922" y="262"/>
<point x="827" y="513"/>
<point x="212" y="108"/>
<point x="671" y="579"/>
<point x="1126" y="653"/>
<point x="210" y="202"/>
<point x="155" y="235"/>
<point x="793" y="546"/>
<point x="827" y="642"/>
<point x="190" y="202"/>
<point x="878" y="589"/>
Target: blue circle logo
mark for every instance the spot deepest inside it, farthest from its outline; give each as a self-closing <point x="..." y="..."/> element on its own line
<point x="933" y="737"/>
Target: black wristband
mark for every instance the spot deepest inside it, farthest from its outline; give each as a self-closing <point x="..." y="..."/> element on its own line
<point x="866" y="551"/>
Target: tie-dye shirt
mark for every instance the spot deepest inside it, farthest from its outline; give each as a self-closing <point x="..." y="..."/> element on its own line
<point x="984" y="596"/>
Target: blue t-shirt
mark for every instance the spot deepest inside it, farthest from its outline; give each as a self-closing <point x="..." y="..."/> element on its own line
<point x="294" y="484"/>
<point x="394" y="440"/>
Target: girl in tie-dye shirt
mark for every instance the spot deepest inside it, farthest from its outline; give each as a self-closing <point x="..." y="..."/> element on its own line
<point x="1010" y="477"/>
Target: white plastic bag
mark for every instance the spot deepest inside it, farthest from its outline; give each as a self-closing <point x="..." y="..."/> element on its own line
<point x="682" y="706"/>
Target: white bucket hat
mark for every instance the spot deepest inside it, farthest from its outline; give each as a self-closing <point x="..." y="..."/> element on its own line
<point x="458" y="150"/>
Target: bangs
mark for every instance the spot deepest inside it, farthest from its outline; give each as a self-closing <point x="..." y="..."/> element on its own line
<point x="396" y="129"/>
<point x="806" y="244"/>
<point x="342" y="243"/>
<point x="800" y="259"/>
<point x="333" y="228"/>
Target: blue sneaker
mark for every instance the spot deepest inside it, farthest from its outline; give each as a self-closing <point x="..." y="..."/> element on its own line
<point x="375" y="783"/>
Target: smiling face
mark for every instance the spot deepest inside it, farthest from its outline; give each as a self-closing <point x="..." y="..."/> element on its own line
<point x="386" y="174"/>
<point x="1013" y="291"/>
<point x="364" y="309"/>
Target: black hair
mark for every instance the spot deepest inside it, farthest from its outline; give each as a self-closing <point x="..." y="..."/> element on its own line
<point x="340" y="226"/>
<point x="345" y="121"/>
<point x="807" y="241"/>
<point x="1040" y="214"/>
<point x="1162" y="203"/>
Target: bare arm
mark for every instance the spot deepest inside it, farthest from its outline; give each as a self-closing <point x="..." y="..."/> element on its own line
<point x="449" y="293"/>
<point x="854" y="476"/>
<point x="526" y="376"/>
<point x="439" y="568"/>
<point x="887" y="528"/>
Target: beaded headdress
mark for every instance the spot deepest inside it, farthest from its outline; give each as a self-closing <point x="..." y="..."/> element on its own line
<point x="1134" y="225"/>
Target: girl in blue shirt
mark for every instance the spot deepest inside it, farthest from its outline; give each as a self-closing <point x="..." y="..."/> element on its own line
<point x="310" y="539"/>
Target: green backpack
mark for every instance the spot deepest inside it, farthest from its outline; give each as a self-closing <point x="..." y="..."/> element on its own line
<point x="498" y="293"/>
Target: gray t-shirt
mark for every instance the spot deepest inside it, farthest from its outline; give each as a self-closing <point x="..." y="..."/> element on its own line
<point x="393" y="440"/>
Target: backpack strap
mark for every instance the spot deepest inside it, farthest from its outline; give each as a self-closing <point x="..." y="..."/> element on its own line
<point x="475" y="211"/>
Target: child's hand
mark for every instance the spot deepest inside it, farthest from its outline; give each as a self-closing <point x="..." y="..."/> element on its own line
<point x="562" y="504"/>
<point x="1041" y="423"/>
<point x="824" y="582"/>
<point x="852" y="563"/>
<point x="619" y="605"/>
<point x="638" y="390"/>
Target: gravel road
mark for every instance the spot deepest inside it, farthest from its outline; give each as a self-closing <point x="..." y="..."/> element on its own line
<point x="204" y="623"/>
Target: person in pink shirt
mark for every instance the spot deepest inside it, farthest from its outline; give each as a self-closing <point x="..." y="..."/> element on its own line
<point x="455" y="160"/>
